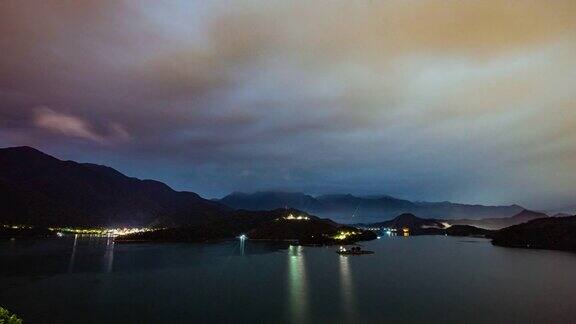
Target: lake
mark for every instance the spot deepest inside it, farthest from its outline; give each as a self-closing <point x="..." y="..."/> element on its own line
<point x="431" y="279"/>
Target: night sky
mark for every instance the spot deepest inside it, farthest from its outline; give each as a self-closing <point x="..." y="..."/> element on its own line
<point x="468" y="101"/>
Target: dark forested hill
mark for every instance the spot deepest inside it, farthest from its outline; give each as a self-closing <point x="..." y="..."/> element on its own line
<point x="36" y="188"/>
<point x="555" y="233"/>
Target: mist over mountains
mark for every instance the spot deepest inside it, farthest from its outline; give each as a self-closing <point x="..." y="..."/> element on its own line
<point x="353" y="209"/>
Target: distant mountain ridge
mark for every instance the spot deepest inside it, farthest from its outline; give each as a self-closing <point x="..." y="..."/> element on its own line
<point x="499" y="223"/>
<point x="270" y="200"/>
<point x="413" y="222"/>
<point x="353" y="209"/>
<point x="563" y="211"/>
<point x="40" y="189"/>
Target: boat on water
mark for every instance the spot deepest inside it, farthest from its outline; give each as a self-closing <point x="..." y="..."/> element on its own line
<point x="355" y="250"/>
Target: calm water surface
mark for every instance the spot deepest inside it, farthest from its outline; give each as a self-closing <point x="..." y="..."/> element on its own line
<point x="418" y="279"/>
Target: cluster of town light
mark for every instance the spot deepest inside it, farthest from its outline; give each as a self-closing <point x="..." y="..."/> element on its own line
<point x="126" y="231"/>
<point x="60" y="231"/>
<point x="299" y="217"/>
<point x="392" y="231"/>
<point x="70" y="230"/>
<point x="405" y="231"/>
<point x="344" y="235"/>
<point x="17" y="226"/>
<point x="100" y="231"/>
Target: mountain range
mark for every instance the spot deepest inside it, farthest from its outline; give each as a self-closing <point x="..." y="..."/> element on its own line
<point x="353" y="209"/>
<point x="39" y="189"/>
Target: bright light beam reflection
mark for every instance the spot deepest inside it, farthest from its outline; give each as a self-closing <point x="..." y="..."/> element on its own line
<point x="346" y="289"/>
<point x="242" y="243"/>
<point x="297" y="288"/>
<point x="73" y="255"/>
<point x="109" y="254"/>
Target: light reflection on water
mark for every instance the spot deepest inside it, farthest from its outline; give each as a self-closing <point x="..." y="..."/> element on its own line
<point x="346" y="289"/>
<point x="242" y="244"/>
<point x="297" y="287"/>
<point x="258" y="282"/>
<point x="109" y="255"/>
<point x="73" y="254"/>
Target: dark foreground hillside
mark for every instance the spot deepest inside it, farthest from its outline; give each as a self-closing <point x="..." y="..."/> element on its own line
<point x="553" y="233"/>
<point x="38" y="189"/>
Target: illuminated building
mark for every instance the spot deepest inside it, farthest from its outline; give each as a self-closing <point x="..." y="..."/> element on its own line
<point x="405" y="231"/>
<point x="299" y="217"/>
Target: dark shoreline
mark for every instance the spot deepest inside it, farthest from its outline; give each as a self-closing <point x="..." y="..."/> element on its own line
<point x="554" y="233"/>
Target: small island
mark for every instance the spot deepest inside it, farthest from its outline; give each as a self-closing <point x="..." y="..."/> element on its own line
<point x="288" y="225"/>
<point x="410" y="225"/>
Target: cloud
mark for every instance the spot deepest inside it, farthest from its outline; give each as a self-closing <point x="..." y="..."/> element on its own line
<point x="74" y="126"/>
<point x="65" y="124"/>
<point x="428" y="99"/>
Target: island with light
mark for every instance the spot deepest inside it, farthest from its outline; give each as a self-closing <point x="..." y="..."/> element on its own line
<point x="280" y="225"/>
